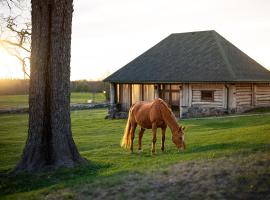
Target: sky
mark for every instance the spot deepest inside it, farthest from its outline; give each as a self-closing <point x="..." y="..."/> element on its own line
<point x="107" y="34"/>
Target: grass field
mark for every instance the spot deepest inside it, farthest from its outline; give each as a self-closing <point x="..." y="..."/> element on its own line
<point x="21" y="101"/>
<point x="13" y="101"/>
<point x="112" y="170"/>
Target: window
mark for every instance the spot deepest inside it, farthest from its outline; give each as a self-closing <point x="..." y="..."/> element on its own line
<point x="207" y="95"/>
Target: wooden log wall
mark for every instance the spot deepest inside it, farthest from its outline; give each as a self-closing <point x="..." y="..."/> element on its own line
<point x="220" y="96"/>
<point x="262" y="97"/>
<point x="243" y="94"/>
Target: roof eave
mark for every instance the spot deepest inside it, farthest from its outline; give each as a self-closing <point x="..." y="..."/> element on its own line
<point x="185" y="81"/>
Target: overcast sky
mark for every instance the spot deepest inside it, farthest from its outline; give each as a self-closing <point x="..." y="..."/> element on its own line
<point x="107" y="34"/>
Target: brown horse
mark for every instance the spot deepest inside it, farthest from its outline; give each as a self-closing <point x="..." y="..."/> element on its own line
<point x="152" y="115"/>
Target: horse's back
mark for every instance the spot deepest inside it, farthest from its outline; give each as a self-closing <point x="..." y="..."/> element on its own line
<point x="140" y="113"/>
<point x="145" y="113"/>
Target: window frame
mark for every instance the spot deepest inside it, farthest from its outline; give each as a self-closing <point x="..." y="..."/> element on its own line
<point x="206" y="98"/>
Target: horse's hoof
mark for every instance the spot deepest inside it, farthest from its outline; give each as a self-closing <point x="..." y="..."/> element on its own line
<point x="153" y="153"/>
<point x="140" y="150"/>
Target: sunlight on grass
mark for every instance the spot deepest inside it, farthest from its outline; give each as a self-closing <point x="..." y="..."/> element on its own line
<point x="98" y="140"/>
<point x="21" y="101"/>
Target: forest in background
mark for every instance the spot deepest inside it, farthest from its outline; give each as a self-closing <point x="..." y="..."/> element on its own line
<point x="20" y="86"/>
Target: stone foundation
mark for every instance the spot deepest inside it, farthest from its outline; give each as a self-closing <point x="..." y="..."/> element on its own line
<point x="116" y="113"/>
<point x="243" y="109"/>
<point x="188" y="112"/>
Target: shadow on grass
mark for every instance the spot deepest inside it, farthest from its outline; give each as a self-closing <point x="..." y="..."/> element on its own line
<point x="228" y="146"/>
<point x="10" y="184"/>
<point x="90" y="173"/>
<point x="228" y="123"/>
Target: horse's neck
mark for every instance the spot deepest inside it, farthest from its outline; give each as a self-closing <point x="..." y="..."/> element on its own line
<point x="168" y="117"/>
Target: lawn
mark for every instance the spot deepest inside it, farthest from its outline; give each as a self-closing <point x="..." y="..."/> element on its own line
<point x="13" y="101"/>
<point x="208" y="140"/>
<point x="21" y="101"/>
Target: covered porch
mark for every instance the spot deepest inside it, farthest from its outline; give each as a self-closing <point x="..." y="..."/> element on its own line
<point x="126" y="94"/>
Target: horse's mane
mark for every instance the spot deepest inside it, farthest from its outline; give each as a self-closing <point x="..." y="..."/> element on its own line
<point x="168" y="114"/>
<point x="169" y="109"/>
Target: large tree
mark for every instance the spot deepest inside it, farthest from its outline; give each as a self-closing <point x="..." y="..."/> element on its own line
<point x="49" y="143"/>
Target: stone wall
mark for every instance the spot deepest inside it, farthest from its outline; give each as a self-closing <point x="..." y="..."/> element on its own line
<point x="116" y="113"/>
<point x="196" y="111"/>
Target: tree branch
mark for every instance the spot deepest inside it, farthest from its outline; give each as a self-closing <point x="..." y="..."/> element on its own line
<point x="15" y="37"/>
<point x="15" y="44"/>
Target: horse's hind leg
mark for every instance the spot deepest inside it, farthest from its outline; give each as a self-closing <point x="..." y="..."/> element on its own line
<point x="163" y="138"/>
<point x="140" y="138"/>
<point x="154" y="137"/>
<point x="132" y="132"/>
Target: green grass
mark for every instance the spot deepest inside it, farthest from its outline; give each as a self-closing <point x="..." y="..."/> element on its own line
<point x="21" y="101"/>
<point x="13" y="101"/>
<point x="82" y="97"/>
<point x="98" y="141"/>
<point x="260" y="110"/>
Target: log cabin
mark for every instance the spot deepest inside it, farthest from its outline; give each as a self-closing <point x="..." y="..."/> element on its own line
<point x="196" y="73"/>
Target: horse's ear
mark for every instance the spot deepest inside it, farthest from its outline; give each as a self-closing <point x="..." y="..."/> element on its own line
<point x="182" y="128"/>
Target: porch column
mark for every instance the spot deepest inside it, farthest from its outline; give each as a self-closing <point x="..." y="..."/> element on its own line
<point x="157" y="91"/>
<point x="232" y="98"/>
<point x="113" y="93"/>
<point x="180" y="102"/>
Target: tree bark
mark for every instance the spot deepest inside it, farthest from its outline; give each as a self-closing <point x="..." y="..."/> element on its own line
<point x="50" y="144"/>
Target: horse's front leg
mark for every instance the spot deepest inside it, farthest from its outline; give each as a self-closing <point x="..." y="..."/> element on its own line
<point x="154" y="137"/>
<point x="140" y="139"/>
<point x="163" y="138"/>
<point x="132" y="132"/>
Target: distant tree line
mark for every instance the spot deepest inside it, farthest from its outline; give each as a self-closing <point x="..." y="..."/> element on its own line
<point x="90" y="86"/>
<point x="14" y="86"/>
<point x="20" y="86"/>
<point x="87" y="86"/>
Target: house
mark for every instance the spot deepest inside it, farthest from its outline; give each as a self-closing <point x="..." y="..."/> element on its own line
<point x="197" y="73"/>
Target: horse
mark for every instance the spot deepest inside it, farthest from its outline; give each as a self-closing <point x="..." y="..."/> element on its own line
<point x="152" y="115"/>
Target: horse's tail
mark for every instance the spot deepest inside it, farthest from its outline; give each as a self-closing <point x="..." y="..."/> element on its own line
<point x="126" y="140"/>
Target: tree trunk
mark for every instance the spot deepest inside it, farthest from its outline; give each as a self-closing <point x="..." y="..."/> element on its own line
<point x="50" y="144"/>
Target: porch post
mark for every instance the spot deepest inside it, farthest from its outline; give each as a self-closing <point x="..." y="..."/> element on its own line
<point x="180" y="102"/>
<point x="232" y="98"/>
<point x="157" y="91"/>
<point x="113" y="94"/>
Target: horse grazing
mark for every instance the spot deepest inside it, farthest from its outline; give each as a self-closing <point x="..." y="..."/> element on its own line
<point x="152" y="115"/>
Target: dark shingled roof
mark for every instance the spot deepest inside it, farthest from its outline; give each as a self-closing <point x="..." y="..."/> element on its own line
<point x="192" y="57"/>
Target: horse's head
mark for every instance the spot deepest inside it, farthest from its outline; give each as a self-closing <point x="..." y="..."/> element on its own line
<point x="178" y="138"/>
